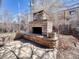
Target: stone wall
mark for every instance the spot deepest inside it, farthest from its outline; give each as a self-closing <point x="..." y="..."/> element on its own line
<point x="68" y="49"/>
<point x="23" y="50"/>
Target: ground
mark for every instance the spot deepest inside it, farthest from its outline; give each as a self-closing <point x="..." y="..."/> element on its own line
<point x="19" y="49"/>
<point x="68" y="49"/>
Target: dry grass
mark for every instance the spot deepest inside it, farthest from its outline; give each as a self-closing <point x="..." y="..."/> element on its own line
<point x="68" y="48"/>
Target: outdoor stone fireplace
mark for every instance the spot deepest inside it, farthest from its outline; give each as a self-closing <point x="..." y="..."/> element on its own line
<point x="41" y="24"/>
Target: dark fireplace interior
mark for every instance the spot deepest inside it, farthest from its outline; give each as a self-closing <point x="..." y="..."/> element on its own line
<point x="37" y="30"/>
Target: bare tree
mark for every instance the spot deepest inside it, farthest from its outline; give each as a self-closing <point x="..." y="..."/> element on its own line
<point x="7" y="22"/>
<point x="24" y="23"/>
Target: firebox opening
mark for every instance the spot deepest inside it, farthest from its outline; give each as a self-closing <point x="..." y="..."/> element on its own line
<point x="37" y="30"/>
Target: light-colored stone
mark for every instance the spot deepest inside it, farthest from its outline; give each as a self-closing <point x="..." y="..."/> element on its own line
<point x="25" y="51"/>
<point x="39" y="52"/>
<point x="35" y="57"/>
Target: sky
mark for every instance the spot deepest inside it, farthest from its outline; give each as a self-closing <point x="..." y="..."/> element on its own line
<point x="70" y="2"/>
<point x="11" y="6"/>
